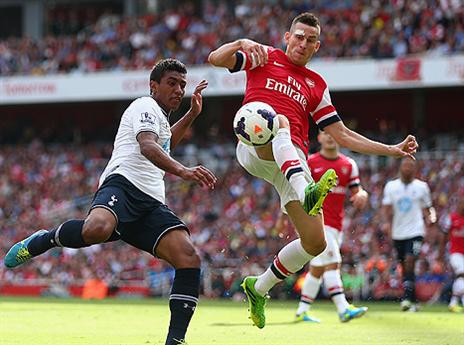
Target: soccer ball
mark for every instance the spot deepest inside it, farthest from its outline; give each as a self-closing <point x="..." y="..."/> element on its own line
<point x="255" y="123"/>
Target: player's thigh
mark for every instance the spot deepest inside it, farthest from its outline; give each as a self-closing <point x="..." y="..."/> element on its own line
<point x="331" y="255"/>
<point x="108" y="209"/>
<point x="248" y="159"/>
<point x="147" y="232"/>
<point x="270" y="172"/>
<point x="457" y="263"/>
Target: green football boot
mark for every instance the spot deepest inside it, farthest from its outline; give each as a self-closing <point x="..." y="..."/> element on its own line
<point x="315" y="193"/>
<point x="256" y="302"/>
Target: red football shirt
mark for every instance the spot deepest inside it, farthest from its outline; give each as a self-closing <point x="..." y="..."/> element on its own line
<point x="454" y="226"/>
<point x="348" y="177"/>
<point x="294" y="91"/>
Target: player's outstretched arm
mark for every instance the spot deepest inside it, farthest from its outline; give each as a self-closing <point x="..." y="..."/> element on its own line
<point x="356" y="142"/>
<point x="196" y="105"/>
<point x="224" y="56"/>
<point x="155" y="154"/>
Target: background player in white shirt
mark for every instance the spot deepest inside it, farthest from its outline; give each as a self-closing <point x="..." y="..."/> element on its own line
<point x="296" y="92"/>
<point x="407" y="210"/>
<point x="129" y="203"/>
<point x="326" y="266"/>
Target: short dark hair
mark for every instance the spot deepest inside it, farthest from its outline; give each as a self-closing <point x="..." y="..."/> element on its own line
<point x="307" y="18"/>
<point x="165" y="65"/>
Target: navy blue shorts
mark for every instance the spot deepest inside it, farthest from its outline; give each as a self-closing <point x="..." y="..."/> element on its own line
<point x="411" y="246"/>
<point x="141" y="219"/>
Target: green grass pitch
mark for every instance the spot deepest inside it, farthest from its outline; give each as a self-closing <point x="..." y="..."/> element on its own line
<point x="47" y="321"/>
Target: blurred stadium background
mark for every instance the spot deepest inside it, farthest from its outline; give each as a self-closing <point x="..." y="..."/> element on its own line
<point x="68" y="69"/>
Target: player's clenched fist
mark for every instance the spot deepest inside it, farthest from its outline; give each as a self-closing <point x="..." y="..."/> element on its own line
<point x="255" y="50"/>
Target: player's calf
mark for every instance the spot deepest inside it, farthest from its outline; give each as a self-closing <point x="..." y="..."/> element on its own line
<point x="68" y="234"/>
<point x="182" y="303"/>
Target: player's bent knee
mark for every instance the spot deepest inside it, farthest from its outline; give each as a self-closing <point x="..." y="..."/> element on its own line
<point x="314" y="247"/>
<point x="188" y="258"/>
<point x="193" y="259"/>
<point x="97" y="230"/>
<point x="177" y="248"/>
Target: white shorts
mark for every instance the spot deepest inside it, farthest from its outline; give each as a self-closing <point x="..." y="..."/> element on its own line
<point x="331" y="254"/>
<point x="457" y="263"/>
<point x="270" y="171"/>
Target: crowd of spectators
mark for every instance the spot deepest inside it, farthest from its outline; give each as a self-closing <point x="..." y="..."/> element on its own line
<point x="350" y="28"/>
<point x="237" y="227"/>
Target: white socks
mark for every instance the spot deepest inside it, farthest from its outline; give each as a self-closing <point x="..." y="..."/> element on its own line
<point x="287" y="159"/>
<point x="334" y="285"/>
<point x="309" y="293"/>
<point x="289" y="260"/>
<point x="458" y="291"/>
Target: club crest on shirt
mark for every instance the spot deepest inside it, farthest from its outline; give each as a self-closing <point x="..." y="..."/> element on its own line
<point x="147" y="118"/>
<point x="310" y="82"/>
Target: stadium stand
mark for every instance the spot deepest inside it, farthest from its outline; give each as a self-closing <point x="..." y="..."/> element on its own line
<point x="49" y="174"/>
<point x="235" y="227"/>
<point x="352" y="29"/>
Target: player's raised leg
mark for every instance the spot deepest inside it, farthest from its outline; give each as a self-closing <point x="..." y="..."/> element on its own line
<point x="74" y="233"/>
<point x="289" y="260"/>
<point x="310" y="195"/>
<point x="310" y="228"/>
<point x="287" y="158"/>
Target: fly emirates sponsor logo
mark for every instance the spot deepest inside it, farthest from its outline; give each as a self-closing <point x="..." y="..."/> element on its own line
<point x="291" y="88"/>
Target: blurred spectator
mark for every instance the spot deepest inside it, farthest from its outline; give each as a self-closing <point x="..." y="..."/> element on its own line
<point x="352" y="28"/>
<point x="235" y="228"/>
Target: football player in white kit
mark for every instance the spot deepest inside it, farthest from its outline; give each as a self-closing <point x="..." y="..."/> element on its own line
<point x="407" y="210"/>
<point x="130" y="202"/>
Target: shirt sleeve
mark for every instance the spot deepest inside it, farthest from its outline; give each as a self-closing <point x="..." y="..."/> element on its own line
<point x="325" y="113"/>
<point x="145" y="117"/>
<point x="387" y="200"/>
<point x="426" y="200"/>
<point x="354" y="180"/>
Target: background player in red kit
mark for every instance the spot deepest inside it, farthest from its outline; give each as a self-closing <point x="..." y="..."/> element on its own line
<point x="282" y="80"/>
<point x="453" y="227"/>
<point x="327" y="264"/>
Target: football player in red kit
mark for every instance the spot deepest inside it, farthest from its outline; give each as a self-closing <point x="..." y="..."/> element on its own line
<point x="326" y="266"/>
<point x="453" y="227"/>
<point x="296" y="92"/>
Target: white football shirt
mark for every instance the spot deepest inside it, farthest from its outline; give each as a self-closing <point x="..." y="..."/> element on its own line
<point x="408" y="202"/>
<point x="142" y="115"/>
